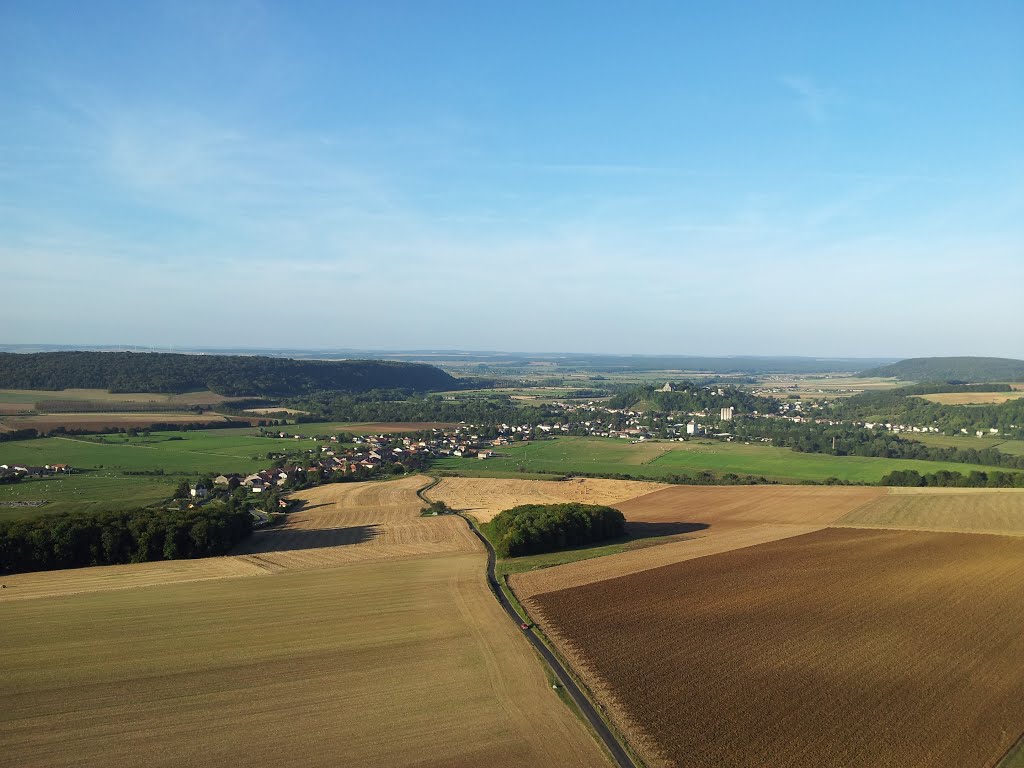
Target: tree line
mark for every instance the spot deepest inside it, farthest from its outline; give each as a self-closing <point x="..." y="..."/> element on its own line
<point x="399" y="406"/>
<point x="534" y="528"/>
<point x="80" y="539"/>
<point x="231" y="375"/>
<point x="944" y="479"/>
<point x="952" y="369"/>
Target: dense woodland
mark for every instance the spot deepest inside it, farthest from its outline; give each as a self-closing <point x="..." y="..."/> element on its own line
<point x="534" y="528"/>
<point x="400" y="406"/>
<point x="966" y="369"/>
<point x="76" y="540"/>
<point x="687" y="397"/>
<point x="228" y="375"/>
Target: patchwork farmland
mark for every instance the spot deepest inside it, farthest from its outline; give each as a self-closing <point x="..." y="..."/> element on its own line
<point x="657" y="460"/>
<point x="763" y="621"/>
<point x="771" y="623"/>
<point x="296" y="650"/>
<point x="839" y="647"/>
<point x="705" y="521"/>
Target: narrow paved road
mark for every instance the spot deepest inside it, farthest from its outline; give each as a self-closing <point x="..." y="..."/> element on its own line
<point x="619" y="755"/>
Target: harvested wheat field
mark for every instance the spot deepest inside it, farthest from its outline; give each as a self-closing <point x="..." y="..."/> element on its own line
<point x="406" y="662"/>
<point x="972" y="398"/>
<point x="352" y="522"/>
<point x="836" y="648"/>
<point x="25" y="586"/>
<point x="340" y="523"/>
<point x="484" y="497"/>
<point x="980" y="510"/>
<point x="705" y="520"/>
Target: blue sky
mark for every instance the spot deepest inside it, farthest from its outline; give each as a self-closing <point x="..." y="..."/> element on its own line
<point x="690" y="178"/>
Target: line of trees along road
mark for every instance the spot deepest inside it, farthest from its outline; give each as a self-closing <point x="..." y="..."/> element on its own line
<point x="80" y="539"/>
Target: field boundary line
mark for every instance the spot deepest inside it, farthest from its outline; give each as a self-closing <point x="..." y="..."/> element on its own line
<point x="1017" y="748"/>
<point x="110" y="445"/>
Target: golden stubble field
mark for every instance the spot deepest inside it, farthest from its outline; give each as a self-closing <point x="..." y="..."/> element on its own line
<point x="972" y="398"/>
<point x="965" y="510"/>
<point x="353" y="522"/>
<point x="836" y="648"/>
<point x="484" y="497"/>
<point x="292" y="652"/>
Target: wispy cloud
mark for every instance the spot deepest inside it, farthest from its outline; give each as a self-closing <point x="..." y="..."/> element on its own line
<point x="813" y="99"/>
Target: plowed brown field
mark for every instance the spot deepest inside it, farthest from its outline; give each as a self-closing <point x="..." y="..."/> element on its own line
<point x="484" y="497"/>
<point x="837" y="648"/>
<point x="715" y="518"/>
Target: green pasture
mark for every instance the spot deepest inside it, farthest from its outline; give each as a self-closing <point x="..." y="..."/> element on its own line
<point x="657" y="460"/>
<point x="964" y="442"/>
<point x="174" y="452"/>
<point x="85" y="492"/>
<point x="104" y="462"/>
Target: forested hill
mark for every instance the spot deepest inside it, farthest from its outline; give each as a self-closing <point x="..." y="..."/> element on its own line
<point x="970" y="369"/>
<point x="224" y="374"/>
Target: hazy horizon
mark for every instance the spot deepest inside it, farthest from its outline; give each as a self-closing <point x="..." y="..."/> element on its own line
<point x="725" y="180"/>
<point x="441" y="351"/>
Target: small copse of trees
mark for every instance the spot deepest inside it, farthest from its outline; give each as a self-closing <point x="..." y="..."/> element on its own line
<point x="76" y="540"/>
<point x="534" y="528"/>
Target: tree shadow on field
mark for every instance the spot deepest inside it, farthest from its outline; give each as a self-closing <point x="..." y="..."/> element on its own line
<point x="289" y="540"/>
<point x="305" y="506"/>
<point x="637" y="530"/>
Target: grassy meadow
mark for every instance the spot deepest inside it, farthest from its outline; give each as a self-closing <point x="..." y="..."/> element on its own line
<point x="964" y="442"/>
<point x="657" y="460"/>
<point x="105" y="461"/>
